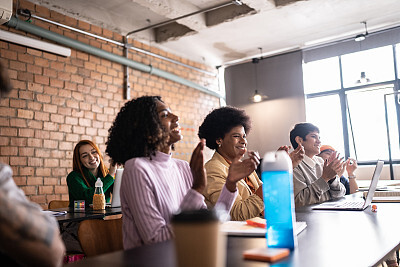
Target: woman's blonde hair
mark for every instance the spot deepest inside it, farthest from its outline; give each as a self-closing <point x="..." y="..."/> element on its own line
<point x="77" y="163"/>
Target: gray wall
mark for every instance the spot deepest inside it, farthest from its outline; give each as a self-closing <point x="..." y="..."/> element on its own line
<point x="281" y="79"/>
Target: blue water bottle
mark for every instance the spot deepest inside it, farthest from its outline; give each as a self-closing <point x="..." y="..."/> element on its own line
<point x="277" y="177"/>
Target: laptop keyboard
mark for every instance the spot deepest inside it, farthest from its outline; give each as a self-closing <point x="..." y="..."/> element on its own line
<point x="351" y="205"/>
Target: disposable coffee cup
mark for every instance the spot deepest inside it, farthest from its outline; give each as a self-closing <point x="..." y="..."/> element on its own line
<point x="198" y="239"/>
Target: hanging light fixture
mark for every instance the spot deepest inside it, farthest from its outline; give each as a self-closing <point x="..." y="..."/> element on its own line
<point x="359" y="38"/>
<point x="257" y="97"/>
<point x="362" y="36"/>
<point x="363" y="79"/>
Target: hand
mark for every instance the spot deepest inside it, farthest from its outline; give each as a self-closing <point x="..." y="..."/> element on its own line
<point x="332" y="166"/>
<point x="197" y="168"/>
<point x="241" y="169"/>
<point x="113" y="167"/>
<point x="285" y="148"/>
<point x="351" y="166"/>
<point x="297" y="155"/>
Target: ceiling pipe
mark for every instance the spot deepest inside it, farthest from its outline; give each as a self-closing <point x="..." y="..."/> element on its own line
<point x="27" y="13"/>
<point x="27" y="27"/>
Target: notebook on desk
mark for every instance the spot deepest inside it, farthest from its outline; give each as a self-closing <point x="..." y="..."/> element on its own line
<point x="356" y="204"/>
<point x="385" y="196"/>
<point x="116" y="200"/>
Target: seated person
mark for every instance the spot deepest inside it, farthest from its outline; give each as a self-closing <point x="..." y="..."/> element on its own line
<point x="314" y="180"/>
<point x="88" y="165"/>
<point x="155" y="185"/>
<point x="225" y="130"/>
<point x="350" y="165"/>
<point x="28" y="236"/>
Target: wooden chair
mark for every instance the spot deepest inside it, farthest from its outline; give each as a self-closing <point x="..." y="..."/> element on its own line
<point x="56" y="204"/>
<point x="100" y="236"/>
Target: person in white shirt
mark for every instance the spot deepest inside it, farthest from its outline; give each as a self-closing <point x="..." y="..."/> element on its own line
<point x="314" y="180"/>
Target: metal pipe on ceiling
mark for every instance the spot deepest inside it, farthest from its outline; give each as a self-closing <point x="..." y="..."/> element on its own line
<point x="27" y="27"/>
<point x="236" y="2"/>
<point x="119" y="43"/>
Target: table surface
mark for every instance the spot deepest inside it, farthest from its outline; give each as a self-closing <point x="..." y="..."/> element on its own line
<point x="87" y="214"/>
<point x="332" y="238"/>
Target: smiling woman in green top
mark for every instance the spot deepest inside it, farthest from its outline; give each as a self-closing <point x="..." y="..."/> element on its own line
<point x="88" y="165"/>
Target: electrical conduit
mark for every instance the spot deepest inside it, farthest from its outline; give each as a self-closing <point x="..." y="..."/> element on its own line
<point x="27" y="27"/>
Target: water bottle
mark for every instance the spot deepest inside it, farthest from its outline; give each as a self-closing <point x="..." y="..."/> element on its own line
<point x="277" y="177"/>
<point x="99" y="199"/>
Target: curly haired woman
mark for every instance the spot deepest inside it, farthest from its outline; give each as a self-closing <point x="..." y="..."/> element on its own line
<point x="154" y="185"/>
<point x="225" y="130"/>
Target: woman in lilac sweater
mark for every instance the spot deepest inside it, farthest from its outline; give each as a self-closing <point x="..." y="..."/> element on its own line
<point x="155" y="185"/>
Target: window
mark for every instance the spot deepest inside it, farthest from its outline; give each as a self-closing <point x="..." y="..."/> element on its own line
<point x="322" y="75"/>
<point x="333" y="93"/>
<point x="377" y="64"/>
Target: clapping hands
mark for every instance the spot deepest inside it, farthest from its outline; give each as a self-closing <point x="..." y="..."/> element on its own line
<point x="240" y="169"/>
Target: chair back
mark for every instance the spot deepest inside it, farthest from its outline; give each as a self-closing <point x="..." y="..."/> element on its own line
<point x="56" y="204"/>
<point x="100" y="236"/>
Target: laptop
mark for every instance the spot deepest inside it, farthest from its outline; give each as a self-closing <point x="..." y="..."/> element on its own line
<point x="355" y="204"/>
<point x="116" y="200"/>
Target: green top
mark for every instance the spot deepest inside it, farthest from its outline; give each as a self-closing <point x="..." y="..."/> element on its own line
<point x="78" y="190"/>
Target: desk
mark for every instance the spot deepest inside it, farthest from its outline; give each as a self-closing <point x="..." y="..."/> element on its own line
<point x="87" y="214"/>
<point x="332" y="238"/>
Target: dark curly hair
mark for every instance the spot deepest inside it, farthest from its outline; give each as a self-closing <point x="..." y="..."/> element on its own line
<point x="220" y="121"/>
<point x="136" y="131"/>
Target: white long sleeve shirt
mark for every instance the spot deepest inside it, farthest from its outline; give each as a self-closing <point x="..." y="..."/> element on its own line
<point x="152" y="190"/>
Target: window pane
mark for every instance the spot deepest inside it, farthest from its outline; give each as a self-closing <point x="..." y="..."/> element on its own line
<point x="377" y="64"/>
<point x="398" y="60"/>
<point x="367" y="118"/>
<point x="324" y="112"/>
<point x="393" y="100"/>
<point x="322" y="75"/>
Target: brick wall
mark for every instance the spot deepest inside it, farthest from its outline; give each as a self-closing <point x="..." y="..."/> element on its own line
<point x="57" y="101"/>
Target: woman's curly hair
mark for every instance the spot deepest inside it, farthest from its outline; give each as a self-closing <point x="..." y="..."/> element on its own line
<point x="220" y="121"/>
<point x="136" y="131"/>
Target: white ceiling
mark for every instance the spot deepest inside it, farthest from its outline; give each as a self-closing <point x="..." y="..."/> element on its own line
<point x="275" y="29"/>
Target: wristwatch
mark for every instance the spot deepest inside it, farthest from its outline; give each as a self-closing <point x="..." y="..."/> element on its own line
<point x="352" y="176"/>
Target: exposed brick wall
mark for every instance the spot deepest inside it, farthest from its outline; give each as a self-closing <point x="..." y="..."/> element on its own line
<point x="58" y="101"/>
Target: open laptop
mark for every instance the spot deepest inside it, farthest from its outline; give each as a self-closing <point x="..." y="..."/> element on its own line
<point x="116" y="200"/>
<point x="355" y="204"/>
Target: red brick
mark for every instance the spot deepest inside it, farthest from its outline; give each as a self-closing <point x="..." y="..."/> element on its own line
<point x="50" y="73"/>
<point x="35" y="124"/>
<point x="19" y="123"/>
<point x="8" y="151"/>
<point x="78" y="129"/>
<point x="29" y="171"/>
<point x="59" y="172"/>
<point x="19" y="180"/>
<point x="34" y="181"/>
<point x="34" y="106"/>
<point x="42" y="79"/>
<point x="59" y="155"/>
<point x="39" y="199"/>
<point x="42" y="116"/>
<point x="29" y="190"/>
<point x="51" y="162"/>
<point x="45" y="172"/>
<point x="15" y="141"/>
<point x="42" y="134"/>
<point x="59" y="189"/>
<point x="65" y="146"/>
<point x="50" y="126"/>
<point x="16" y="65"/>
<point x="57" y="118"/>
<point x="25" y="95"/>
<point x="50" y="181"/>
<point x="26" y="151"/>
<point x="18" y="161"/>
<point x="42" y="153"/>
<point x="35" y="142"/>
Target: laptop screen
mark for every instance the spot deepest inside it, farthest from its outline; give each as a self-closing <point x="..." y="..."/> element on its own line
<point x="374" y="183"/>
<point x="116" y="200"/>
